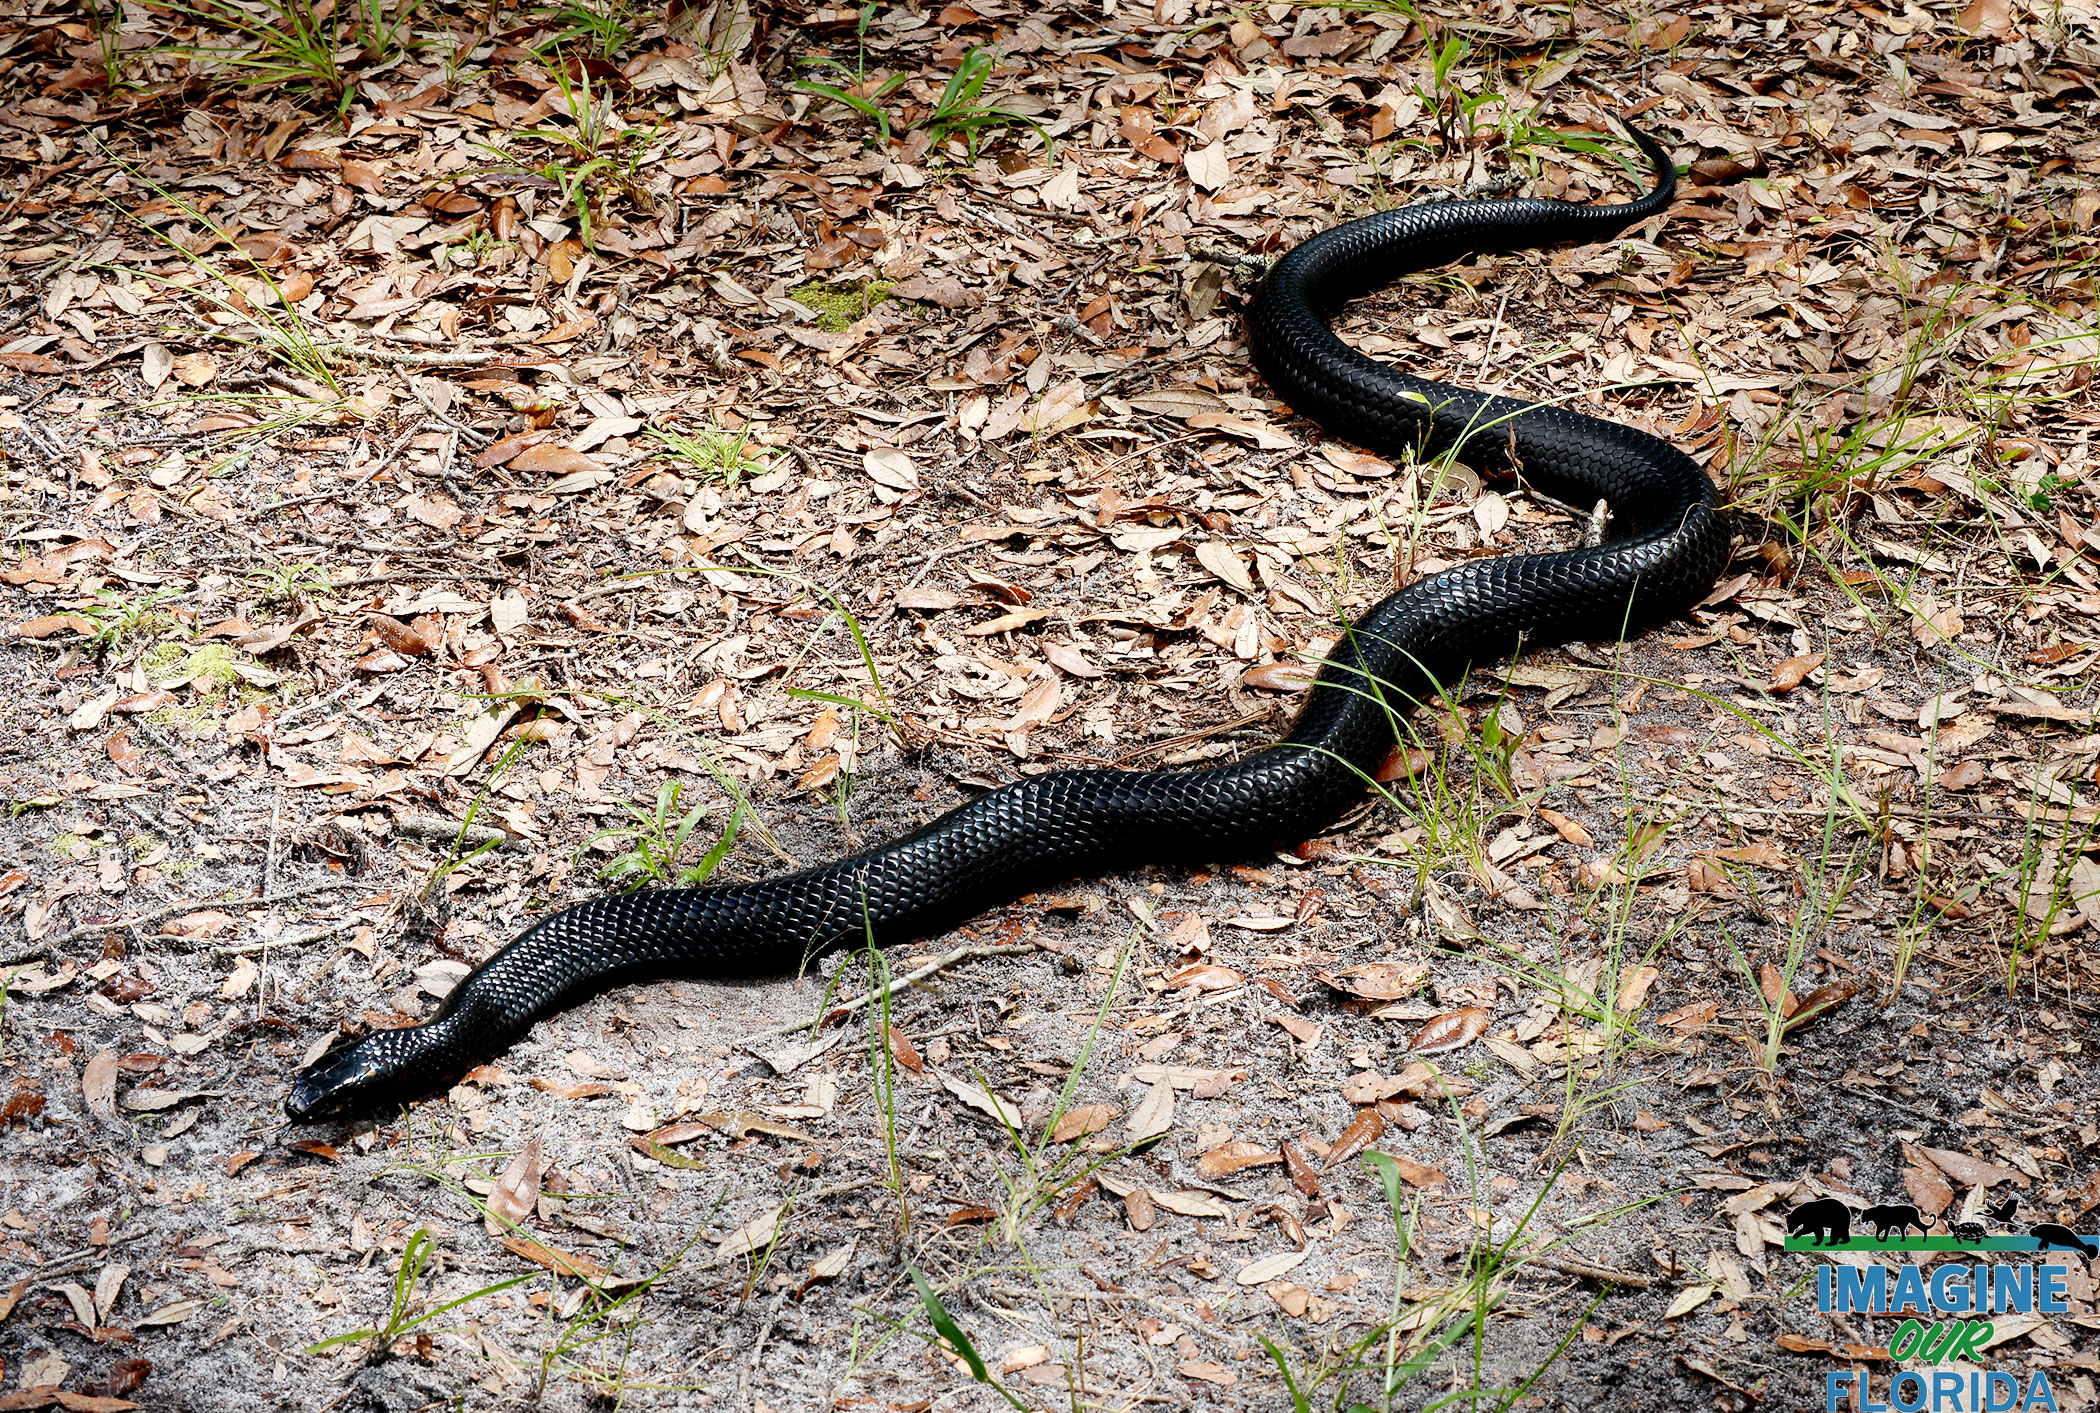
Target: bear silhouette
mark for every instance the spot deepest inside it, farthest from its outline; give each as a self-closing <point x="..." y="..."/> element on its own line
<point x="1829" y="1219"/>
<point x="1898" y="1217"/>
<point x="2003" y="1212"/>
<point x="1971" y="1232"/>
<point x="2051" y="1236"/>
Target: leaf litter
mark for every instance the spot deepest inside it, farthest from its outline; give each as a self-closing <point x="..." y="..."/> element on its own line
<point x="521" y="410"/>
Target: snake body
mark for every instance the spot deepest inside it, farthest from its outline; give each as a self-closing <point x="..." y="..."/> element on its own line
<point x="1668" y="547"/>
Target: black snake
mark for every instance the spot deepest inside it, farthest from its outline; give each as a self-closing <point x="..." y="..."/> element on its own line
<point x="1669" y="545"/>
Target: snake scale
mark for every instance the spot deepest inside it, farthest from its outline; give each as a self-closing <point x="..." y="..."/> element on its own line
<point x="1668" y="545"/>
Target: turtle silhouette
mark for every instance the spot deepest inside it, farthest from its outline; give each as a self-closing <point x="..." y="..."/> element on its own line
<point x="1829" y="1220"/>
<point x="2053" y="1236"/>
<point x="1969" y="1232"/>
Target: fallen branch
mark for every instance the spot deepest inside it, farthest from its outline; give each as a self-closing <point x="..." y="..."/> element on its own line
<point x="1569" y="1266"/>
<point x="446" y="831"/>
<point x="941" y="963"/>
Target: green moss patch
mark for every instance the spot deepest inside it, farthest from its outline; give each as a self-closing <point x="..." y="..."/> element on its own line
<point x="210" y="667"/>
<point x="839" y="306"/>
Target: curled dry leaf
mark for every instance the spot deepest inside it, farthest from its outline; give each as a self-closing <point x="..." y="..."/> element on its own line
<point x="1205" y="976"/>
<point x="1229" y="1158"/>
<point x="1301" y="1172"/>
<point x="1819" y="1003"/>
<point x="1454" y="1030"/>
<point x="1363" y="1131"/>
<point x="1790" y="674"/>
<point x="1281" y="676"/>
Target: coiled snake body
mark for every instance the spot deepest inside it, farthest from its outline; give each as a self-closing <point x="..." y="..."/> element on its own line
<point x="1669" y="545"/>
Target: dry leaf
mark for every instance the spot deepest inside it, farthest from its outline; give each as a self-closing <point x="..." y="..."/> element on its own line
<point x="1154" y="1114"/>
<point x="1268" y="1268"/>
<point x="1192" y="1204"/>
<point x="984" y="1102"/>
<point x="1363" y="1131"/>
<point x="1229" y="1158"/>
<point x="1789" y="674"/>
<point x="98" y="1085"/>
<point x="1220" y="560"/>
<point x="1454" y="1030"/>
<point x="517" y="1191"/>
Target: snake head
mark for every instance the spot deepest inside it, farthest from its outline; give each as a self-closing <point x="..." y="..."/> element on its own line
<point x="342" y="1082"/>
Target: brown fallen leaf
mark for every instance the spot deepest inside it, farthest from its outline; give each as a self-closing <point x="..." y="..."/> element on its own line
<point x="51" y="625"/>
<point x="1416" y="1174"/>
<point x="1363" y="1131"/>
<point x="1567" y="828"/>
<point x="1758" y="855"/>
<point x="1281" y="676"/>
<point x="1454" y="1030"/>
<point x="1819" y="1003"/>
<point x="1154" y="1114"/>
<point x="903" y="1051"/>
<point x="1789" y="674"/>
<point x="1229" y="1158"/>
<point x="1205" y="976"/>
<point x="1774" y="989"/>
<point x="1301" y="1173"/>
<point x="1138" y="1209"/>
<point x="1927" y="1186"/>
<point x="1077" y="1123"/>
<point x="554" y="460"/>
<point x="517" y="1190"/>
<point x="562" y="1263"/>
<point x="98" y="1086"/>
<point x="1378" y="981"/>
<point x="1965" y="776"/>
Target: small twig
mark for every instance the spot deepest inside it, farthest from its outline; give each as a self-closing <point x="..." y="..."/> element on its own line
<point x="941" y="963"/>
<point x="446" y="831"/>
<point x="269" y="878"/>
<point x="168" y="749"/>
<point x="64" y="1265"/>
<point x="98" y="929"/>
<point x="378" y="466"/>
<point x="248" y="948"/>
<point x="304" y="707"/>
<point x="1570" y="1266"/>
<point x="1189" y="738"/>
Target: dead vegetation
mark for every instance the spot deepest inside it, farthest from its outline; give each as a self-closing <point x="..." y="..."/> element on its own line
<point x="460" y="458"/>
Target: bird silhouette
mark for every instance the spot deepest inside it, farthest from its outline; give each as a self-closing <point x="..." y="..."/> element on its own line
<point x="2003" y="1212"/>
